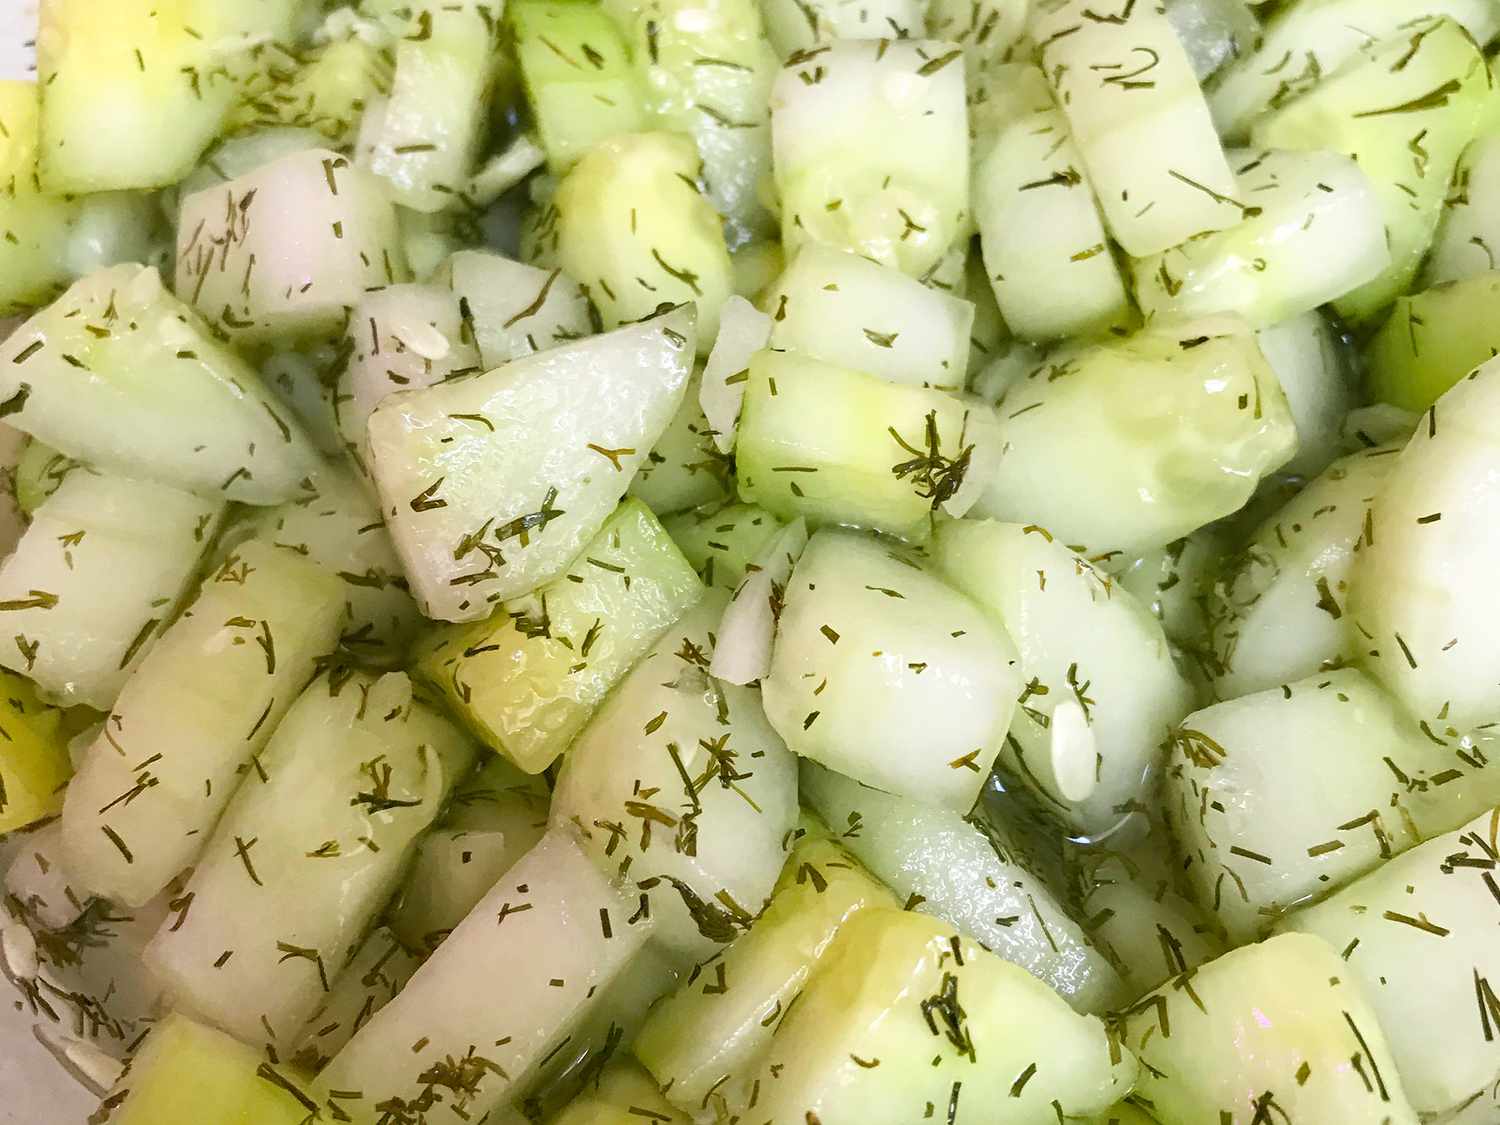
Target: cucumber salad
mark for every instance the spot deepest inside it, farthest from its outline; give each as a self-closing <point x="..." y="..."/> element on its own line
<point x="752" y="562"/>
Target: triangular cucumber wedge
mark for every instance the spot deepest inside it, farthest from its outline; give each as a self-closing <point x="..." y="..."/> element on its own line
<point x="121" y="374"/>
<point x="491" y="484"/>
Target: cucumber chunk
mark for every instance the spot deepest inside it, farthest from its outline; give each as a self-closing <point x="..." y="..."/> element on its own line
<point x="33" y="224"/>
<point x="580" y="79"/>
<point x="496" y="817"/>
<point x="1140" y="122"/>
<point x="705" y="1041"/>
<point x="1262" y="824"/>
<point x="400" y="337"/>
<point x="339" y="527"/>
<point x="1315" y="368"/>
<point x="623" y="1094"/>
<point x="884" y="673"/>
<point x="721" y="541"/>
<point x="1045" y="250"/>
<point x="903" y="1013"/>
<point x="34" y="764"/>
<point x="1079" y="639"/>
<point x="1303" y="43"/>
<point x="461" y="1036"/>
<point x="1277" y="610"/>
<point x="377" y="971"/>
<point x="680" y="784"/>
<point x="39" y="473"/>
<point x="120" y="374"/>
<point x="794" y="27"/>
<point x="743" y="331"/>
<point x="1415" y="933"/>
<point x="685" y="469"/>
<point x="1419" y="593"/>
<point x="902" y="202"/>
<point x="492" y="484"/>
<point x="306" y="854"/>
<point x="133" y="95"/>
<point x="1214" y="32"/>
<point x="1370" y="109"/>
<point x="424" y="139"/>
<point x="186" y="1073"/>
<point x="514" y="309"/>
<point x="527" y="679"/>
<point x="742" y="652"/>
<point x="192" y="718"/>
<point x="1315" y="232"/>
<point x="1467" y="231"/>
<point x="634" y="229"/>
<point x="1132" y="444"/>
<point x="970" y="874"/>
<point x="850" y="312"/>
<point x="707" y="73"/>
<point x="1172" y="581"/>
<point x="841" y="446"/>
<point x="95" y="578"/>
<point x="326" y="90"/>
<point x="1433" y="339"/>
<point x="1279" y="1028"/>
<point x="285" y="250"/>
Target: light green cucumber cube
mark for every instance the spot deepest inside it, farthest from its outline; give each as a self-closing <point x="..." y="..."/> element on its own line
<point x="721" y="540"/>
<point x="1433" y="339"/>
<point x="33" y="225"/>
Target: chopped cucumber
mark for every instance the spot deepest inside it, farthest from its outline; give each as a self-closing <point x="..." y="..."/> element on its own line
<point x="680" y="786"/>
<point x="707" y="73"/>
<point x="464" y="1037"/>
<point x="970" y="874"/>
<point x="40" y="471"/>
<point x="378" y="970"/>
<point x="901" y="202"/>
<point x="990" y="32"/>
<point x="580" y="79"/>
<point x="306" y="854"/>
<point x="400" y="337"/>
<point x="1172" y="581"/>
<point x="287" y="249"/>
<point x="1419" y="600"/>
<point x="338" y="526"/>
<point x="1127" y="87"/>
<point x="903" y="1013"/>
<point x="1263" y="824"/>
<point x="1416" y="935"/>
<point x="302" y="381"/>
<point x="1279" y="1030"/>
<point x="1081" y="640"/>
<point x="1372" y="108"/>
<point x="1305" y="42"/>
<point x="496" y="817"/>
<point x="705" y="1042"/>
<point x="721" y="541"/>
<point x="1314" y="366"/>
<point x="527" y="679"/>
<point x="95" y="578"/>
<point x="135" y="94"/>
<point x="424" y="138"/>
<point x="1467" y="233"/>
<point x="841" y="446"/>
<point x="1214" y="32"/>
<point x="685" y="469"/>
<point x="1132" y="444"/>
<point x="634" y="229"/>
<point x="623" y="1094"/>
<point x="120" y="374"/>
<point x="492" y="484"/>
<point x="797" y="26"/>
<point x="1046" y="255"/>
<point x="884" y="673"/>
<point x="1433" y="339"/>
<point x="1315" y="232"/>
<point x="185" y="1073"/>
<point x="326" y="90"/>
<point x="1276" y="611"/>
<point x="848" y="311"/>
<point x="36" y="879"/>
<point x="240" y="155"/>
<point x="514" y="309"/>
<point x="33" y="225"/>
<point x="192" y="718"/>
<point x="34" y="763"/>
